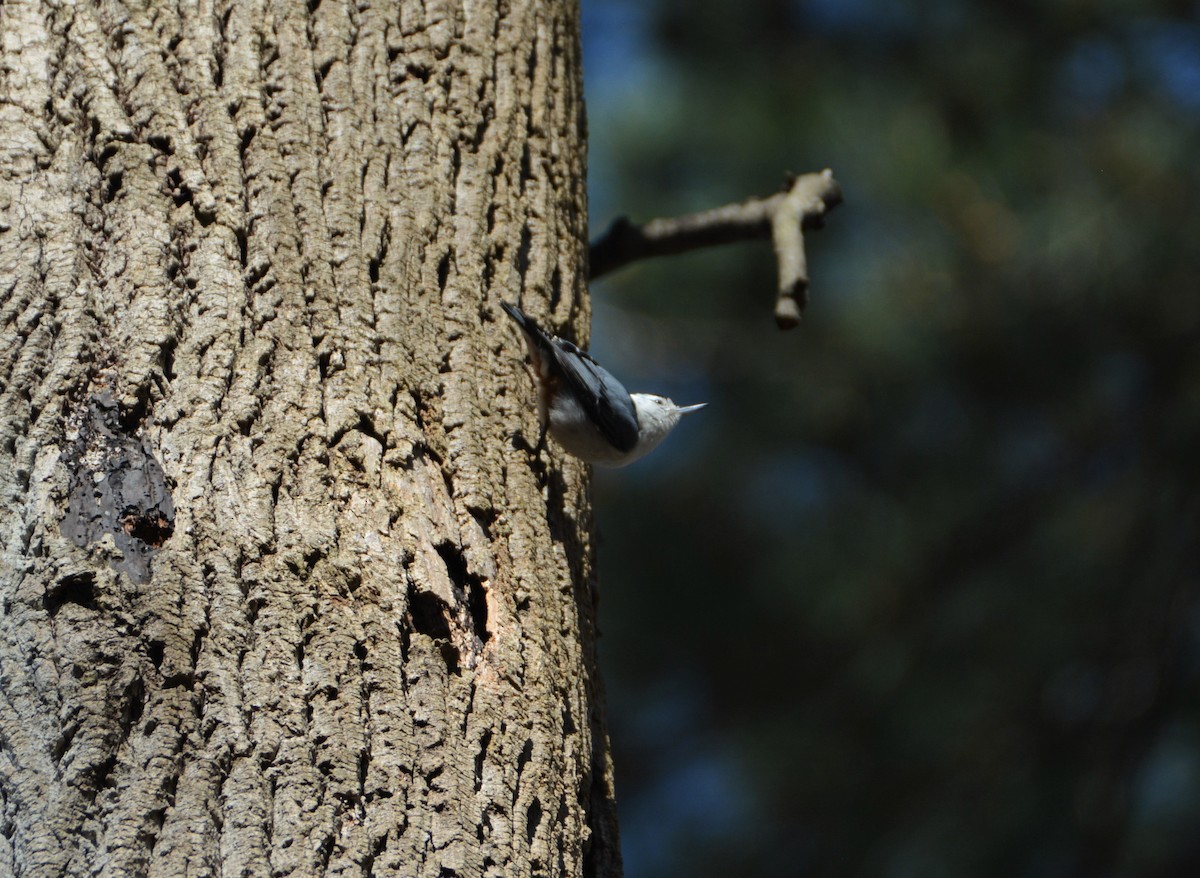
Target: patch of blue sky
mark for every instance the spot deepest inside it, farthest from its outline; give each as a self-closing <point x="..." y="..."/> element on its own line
<point x="626" y="82"/>
<point x="1169" y="53"/>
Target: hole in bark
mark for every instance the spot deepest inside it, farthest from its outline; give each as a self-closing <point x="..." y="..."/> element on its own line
<point x="104" y="773"/>
<point x="427" y="616"/>
<point x="162" y="143"/>
<point x="533" y="817"/>
<point x="130" y="417"/>
<point x="443" y="270"/>
<point x="135" y="703"/>
<point x="77" y="588"/>
<point x="154" y="651"/>
<point x="113" y="184"/>
<point x="153" y="528"/>
<point x="468" y="584"/>
<point x="477" y="606"/>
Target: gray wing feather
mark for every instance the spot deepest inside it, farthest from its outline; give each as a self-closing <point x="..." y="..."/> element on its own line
<point x="602" y="396"/>
<point x="604" y="399"/>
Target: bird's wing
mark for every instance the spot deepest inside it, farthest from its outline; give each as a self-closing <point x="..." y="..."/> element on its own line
<point x="603" y="398"/>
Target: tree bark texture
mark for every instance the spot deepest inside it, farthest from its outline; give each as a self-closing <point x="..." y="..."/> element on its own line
<point x="281" y="593"/>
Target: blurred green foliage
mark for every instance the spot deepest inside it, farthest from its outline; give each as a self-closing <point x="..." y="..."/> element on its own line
<point x="919" y="593"/>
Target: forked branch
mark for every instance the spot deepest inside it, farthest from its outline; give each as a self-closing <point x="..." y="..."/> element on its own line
<point x="783" y="217"/>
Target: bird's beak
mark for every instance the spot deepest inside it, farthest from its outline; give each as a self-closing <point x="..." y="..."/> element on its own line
<point x="688" y="409"/>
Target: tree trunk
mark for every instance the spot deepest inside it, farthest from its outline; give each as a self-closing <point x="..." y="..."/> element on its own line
<point x="281" y="593"/>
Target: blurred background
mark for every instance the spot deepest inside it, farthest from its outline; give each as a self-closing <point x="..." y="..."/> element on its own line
<point x="919" y="593"/>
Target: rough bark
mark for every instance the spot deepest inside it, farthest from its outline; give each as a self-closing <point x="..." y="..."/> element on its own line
<point x="281" y="593"/>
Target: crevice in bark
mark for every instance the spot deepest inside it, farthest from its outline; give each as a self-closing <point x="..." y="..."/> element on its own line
<point x="523" y="760"/>
<point x="76" y="588"/>
<point x="102" y="776"/>
<point x="468" y="587"/>
<point x="162" y="143"/>
<point x="239" y="234"/>
<point x="378" y="846"/>
<point x="523" y="250"/>
<point x="135" y="704"/>
<point x="179" y="191"/>
<point x="429" y="617"/>
<point x="167" y="358"/>
<point x="533" y="818"/>
<point x="113" y="184"/>
<point x="555" y="289"/>
<point x="485" y="741"/>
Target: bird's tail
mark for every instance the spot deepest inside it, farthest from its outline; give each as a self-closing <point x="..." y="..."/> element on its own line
<point x="523" y="320"/>
<point x="537" y="337"/>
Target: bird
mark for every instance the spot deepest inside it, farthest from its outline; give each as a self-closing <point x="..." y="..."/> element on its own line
<point x="588" y="411"/>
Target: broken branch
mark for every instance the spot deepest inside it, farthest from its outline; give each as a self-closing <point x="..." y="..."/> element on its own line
<point x="783" y="217"/>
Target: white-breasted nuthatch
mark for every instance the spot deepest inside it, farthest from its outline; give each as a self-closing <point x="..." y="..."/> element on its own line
<point x="587" y="410"/>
